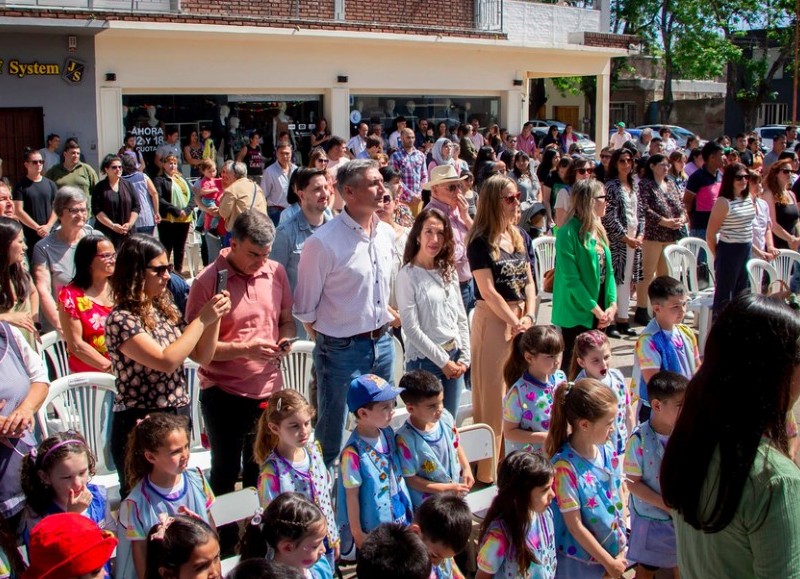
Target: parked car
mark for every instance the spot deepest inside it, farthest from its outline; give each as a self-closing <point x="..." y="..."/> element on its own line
<point x="540" y="130"/>
<point x="768" y="133"/>
<point x="680" y="134"/>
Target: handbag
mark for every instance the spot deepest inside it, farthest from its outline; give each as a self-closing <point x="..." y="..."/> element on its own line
<point x="548" y="280"/>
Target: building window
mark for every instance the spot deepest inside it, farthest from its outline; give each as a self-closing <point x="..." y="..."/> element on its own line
<point x="623" y="111"/>
<point x="772" y="113"/>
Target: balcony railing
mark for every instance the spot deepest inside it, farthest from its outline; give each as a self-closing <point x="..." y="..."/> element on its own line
<point x="489" y="15"/>
<point x="100" y="5"/>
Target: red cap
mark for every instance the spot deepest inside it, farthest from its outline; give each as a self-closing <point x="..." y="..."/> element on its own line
<point x="67" y="545"/>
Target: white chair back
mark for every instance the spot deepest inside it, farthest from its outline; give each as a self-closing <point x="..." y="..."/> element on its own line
<point x="477" y="441"/>
<point x="697" y="245"/>
<point x="544" y="250"/>
<point x="231" y="508"/>
<point x="190" y="368"/>
<point x="399" y="361"/>
<point x="54" y="355"/>
<point x="785" y="263"/>
<point x="296" y="369"/>
<point x="82" y="402"/>
<point x="756" y="270"/>
<point x="682" y="265"/>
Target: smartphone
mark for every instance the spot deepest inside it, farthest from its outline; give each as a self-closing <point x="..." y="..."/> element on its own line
<point x="287" y="343"/>
<point x="222" y="281"/>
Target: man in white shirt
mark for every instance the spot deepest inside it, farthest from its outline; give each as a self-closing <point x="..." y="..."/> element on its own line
<point x="342" y="298"/>
<point x="50" y="152"/>
<point x="620" y="137"/>
<point x="358" y="143"/>
<point x="275" y="181"/>
<point x="476" y="137"/>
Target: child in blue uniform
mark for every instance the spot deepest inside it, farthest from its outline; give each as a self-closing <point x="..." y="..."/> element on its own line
<point x="444" y="522"/>
<point x="589" y="518"/>
<point x="56" y="480"/>
<point x="157" y="455"/>
<point x="430" y="457"/>
<point x="533" y="371"/>
<point x="591" y="358"/>
<point x="292" y="530"/>
<point x="372" y="489"/>
<point x="516" y="538"/>
<point x="652" y="544"/>
<point x="292" y="460"/>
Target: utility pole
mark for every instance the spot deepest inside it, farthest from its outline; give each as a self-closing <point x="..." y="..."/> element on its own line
<point x="796" y="44"/>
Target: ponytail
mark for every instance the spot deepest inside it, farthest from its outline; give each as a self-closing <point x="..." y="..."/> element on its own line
<point x="586" y="399"/>
<point x="516" y="363"/>
<point x="535" y="340"/>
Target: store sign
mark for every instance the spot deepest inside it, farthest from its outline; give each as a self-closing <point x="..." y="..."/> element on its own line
<point x="148" y="138"/>
<point x="72" y="71"/>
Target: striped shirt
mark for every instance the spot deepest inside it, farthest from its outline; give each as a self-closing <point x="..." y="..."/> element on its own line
<point x="738" y="224"/>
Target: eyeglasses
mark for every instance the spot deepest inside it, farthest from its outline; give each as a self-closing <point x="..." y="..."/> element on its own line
<point x="386" y="199"/>
<point x="626" y="160"/>
<point x="511" y="199"/>
<point x="585" y="170"/>
<point x="107" y="256"/>
<point x="36" y="162"/>
<point x="116" y="167"/>
<point x="454" y="187"/>
<point x="742" y="177"/>
<point x="161" y="269"/>
<point x="77" y="210"/>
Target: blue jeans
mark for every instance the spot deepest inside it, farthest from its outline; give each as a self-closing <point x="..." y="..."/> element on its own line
<point x="274" y="213"/>
<point x="147" y="230"/>
<point x="452" y="387"/>
<point x="336" y="362"/>
<point x="467" y="295"/>
<point x="730" y="273"/>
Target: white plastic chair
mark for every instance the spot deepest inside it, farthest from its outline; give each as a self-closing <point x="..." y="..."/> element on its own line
<point x="696" y="245"/>
<point x="682" y="265"/>
<point x="756" y="270"/>
<point x="784" y="264"/>
<point x="199" y="456"/>
<point x="53" y="351"/>
<point x="193" y="255"/>
<point x="399" y="360"/>
<point x="83" y="402"/>
<point x="464" y="407"/>
<point x="477" y="441"/>
<point x="232" y="508"/>
<point x="296" y="368"/>
<point x="544" y="250"/>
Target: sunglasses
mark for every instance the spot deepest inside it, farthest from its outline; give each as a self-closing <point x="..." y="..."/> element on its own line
<point x="585" y="170"/>
<point x="161" y="269"/>
<point x="116" y="167"/>
<point x="324" y="161"/>
<point x="742" y="177"/>
<point x="36" y="162"/>
<point x="454" y="187"/>
<point x="511" y="199"/>
<point x="386" y="199"/>
<point x="626" y="160"/>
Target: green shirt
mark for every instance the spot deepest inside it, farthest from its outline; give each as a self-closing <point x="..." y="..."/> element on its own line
<point x="82" y="176"/>
<point x="763" y="539"/>
<point x="577" y="280"/>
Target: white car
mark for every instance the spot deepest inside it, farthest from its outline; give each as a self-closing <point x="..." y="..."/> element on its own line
<point x="768" y="133"/>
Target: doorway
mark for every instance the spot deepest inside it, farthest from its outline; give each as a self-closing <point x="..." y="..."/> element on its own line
<point x="567" y="115"/>
<point x="19" y="128"/>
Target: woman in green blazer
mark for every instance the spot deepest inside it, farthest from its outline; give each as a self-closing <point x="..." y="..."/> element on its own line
<point x="584" y="291"/>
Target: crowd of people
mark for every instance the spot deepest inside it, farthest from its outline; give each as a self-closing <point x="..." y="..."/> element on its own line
<point x="427" y="240"/>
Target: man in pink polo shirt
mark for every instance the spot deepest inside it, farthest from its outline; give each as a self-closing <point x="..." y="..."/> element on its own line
<point x="246" y="366"/>
<point x="526" y="141"/>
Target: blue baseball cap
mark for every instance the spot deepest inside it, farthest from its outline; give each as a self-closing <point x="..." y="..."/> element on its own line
<point x="369" y="388"/>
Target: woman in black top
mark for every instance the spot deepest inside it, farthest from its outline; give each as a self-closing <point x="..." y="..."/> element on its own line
<point x="505" y="299"/>
<point x="115" y="204"/>
<point x="251" y="156"/>
<point x="782" y="205"/>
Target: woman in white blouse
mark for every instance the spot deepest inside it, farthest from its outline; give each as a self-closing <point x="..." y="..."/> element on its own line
<point x="435" y="329"/>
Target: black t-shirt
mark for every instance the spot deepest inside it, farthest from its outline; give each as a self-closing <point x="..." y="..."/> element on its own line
<point x="746" y="157"/>
<point x="510" y="272"/>
<point x="37" y="199"/>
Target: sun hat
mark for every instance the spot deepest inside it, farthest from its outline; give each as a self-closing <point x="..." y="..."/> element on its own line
<point x="67" y="545"/>
<point x="370" y="388"/>
<point x="442" y="174"/>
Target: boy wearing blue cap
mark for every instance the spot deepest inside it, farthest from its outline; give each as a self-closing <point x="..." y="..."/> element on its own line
<point x="372" y="489"/>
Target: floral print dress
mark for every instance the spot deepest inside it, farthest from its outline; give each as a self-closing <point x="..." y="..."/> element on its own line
<point x="92" y="317"/>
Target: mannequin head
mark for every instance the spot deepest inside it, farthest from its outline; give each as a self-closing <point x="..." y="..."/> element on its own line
<point x="224" y="111"/>
<point x="233" y="123"/>
<point x="411" y="106"/>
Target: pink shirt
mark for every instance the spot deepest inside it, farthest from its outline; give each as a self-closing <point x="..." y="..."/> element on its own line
<point x="257" y="303"/>
<point x="527" y="144"/>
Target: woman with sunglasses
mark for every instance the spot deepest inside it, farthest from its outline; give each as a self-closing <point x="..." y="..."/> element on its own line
<point x="33" y="201"/>
<point x="148" y="340"/>
<point x="505" y="300"/>
<point x="580" y="169"/>
<point x="732" y="218"/>
<point x="115" y="204"/>
<point x="664" y="224"/>
<point x="782" y="203"/>
<point x="584" y="289"/>
<point x="84" y="305"/>
<point x="386" y="211"/>
<point x="624" y="226"/>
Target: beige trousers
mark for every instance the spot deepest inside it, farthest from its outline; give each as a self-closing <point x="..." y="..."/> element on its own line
<point x="653" y="264"/>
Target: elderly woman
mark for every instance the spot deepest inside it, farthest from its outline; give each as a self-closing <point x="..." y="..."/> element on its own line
<point x="726" y="473"/>
<point x="145" y="192"/>
<point x="54" y="256"/>
<point x="584" y="290"/>
<point x="505" y="299"/>
<point x="19" y="302"/>
<point x="23" y="390"/>
<point x="175" y="205"/>
<point x="84" y="305"/>
<point x="581" y="169"/>
<point x="664" y="223"/>
<point x="115" y="204"/>
<point x="148" y="341"/>
<point x="625" y="229"/>
<point x="435" y="329"/>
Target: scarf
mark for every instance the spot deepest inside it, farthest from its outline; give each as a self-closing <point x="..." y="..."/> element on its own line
<point x="180" y="192"/>
<point x="666" y="348"/>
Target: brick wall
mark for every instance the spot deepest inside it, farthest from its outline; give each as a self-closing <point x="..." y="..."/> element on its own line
<point x="289" y="9"/>
<point x="434" y="15"/>
<point x="604" y="40"/>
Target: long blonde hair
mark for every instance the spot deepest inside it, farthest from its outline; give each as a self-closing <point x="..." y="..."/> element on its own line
<point x="582" y="207"/>
<point x="489" y="220"/>
<point x="280" y="406"/>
